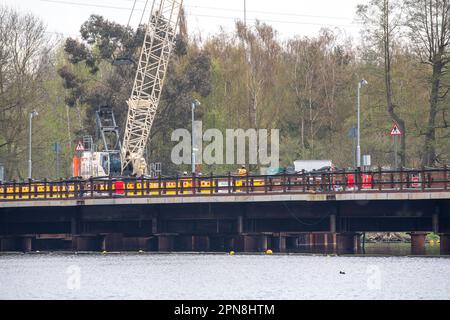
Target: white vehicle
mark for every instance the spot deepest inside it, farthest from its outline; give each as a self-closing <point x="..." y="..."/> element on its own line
<point x="312" y="165"/>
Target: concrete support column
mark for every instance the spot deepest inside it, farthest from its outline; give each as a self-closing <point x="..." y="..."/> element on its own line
<point x="263" y="242"/>
<point x="251" y="243"/>
<point x="155" y="226"/>
<point x="333" y="223"/>
<point x="348" y="243"/>
<point x="8" y="244"/>
<point x="418" y="242"/>
<point x="166" y="242"/>
<point x="445" y="244"/>
<point x="435" y="223"/>
<point x="246" y="243"/>
<point x="240" y="225"/>
<point x="112" y="242"/>
<point x="279" y="243"/>
<point x="311" y="240"/>
<point x="27" y="244"/>
<point x="332" y="242"/>
<point x="86" y="243"/>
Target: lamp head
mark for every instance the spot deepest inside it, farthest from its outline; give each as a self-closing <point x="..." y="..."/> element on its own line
<point x="363" y="83"/>
<point x="196" y="103"/>
<point x="34" y="113"/>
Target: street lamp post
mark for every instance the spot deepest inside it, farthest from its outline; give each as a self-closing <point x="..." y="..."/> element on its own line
<point x="358" y="148"/>
<point x="30" y="163"/>
<point x="195" y="104"/>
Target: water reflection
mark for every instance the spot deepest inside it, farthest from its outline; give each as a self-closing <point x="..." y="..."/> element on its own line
<point x="383" y="249"/>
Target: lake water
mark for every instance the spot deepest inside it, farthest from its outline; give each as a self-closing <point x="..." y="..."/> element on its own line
<point x="205" y="277"/>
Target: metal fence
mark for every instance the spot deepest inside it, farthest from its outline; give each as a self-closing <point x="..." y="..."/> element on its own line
<point x="403" y="180"/>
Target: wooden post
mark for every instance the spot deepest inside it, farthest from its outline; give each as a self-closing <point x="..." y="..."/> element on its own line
<point x="265" y="185"/>
<point x="14" y="189"/>
<point x="423" y="179"/>
<point x="45" y="188"/>
<point x="304" y="180"/>
<point x="91" y="183"/>
<point x="159" y="185"/>
<point x="211" y="181"/>
<point x="445" y="177"/>
<point x="194" y="183"/>
<point x="401" y="178"/>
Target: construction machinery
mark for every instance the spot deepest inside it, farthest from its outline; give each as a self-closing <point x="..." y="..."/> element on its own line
<point x="157" y="48"/>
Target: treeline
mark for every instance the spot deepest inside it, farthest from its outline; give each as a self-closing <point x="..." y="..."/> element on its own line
<point x="304" y="86"/>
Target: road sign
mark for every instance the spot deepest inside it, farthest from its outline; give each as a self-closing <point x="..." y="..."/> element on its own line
<point x="353" y="133"/>
<point x="395" y="132"/>
<point x="367" y="160"/>
<point x="79" y="147"/>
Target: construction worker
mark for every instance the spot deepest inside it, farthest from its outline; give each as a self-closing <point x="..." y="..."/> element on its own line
<point x="242" y="171"/>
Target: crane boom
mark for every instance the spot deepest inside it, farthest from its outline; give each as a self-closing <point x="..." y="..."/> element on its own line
<point x="151" y="72"/>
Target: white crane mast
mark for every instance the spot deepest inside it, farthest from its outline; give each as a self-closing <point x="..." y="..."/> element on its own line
<point x="151" y="72"/>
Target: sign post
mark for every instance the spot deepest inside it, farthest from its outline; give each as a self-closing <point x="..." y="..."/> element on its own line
<point x="353" y="134"/>
<point x="396" y="133"/>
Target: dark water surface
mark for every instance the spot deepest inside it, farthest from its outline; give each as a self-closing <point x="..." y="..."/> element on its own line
<point x="203" y="276"/>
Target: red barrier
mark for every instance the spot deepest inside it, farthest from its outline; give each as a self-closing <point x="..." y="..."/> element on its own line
<point x="120" y="187"/>
<point x="76" y="166"/>
<point x="351" y="181"/>
<point x="367" y="181"/>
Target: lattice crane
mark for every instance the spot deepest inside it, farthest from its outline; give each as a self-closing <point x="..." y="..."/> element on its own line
<point x="143" y="104"/>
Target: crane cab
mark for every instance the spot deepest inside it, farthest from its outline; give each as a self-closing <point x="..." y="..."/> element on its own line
<point x="98" y="164"/>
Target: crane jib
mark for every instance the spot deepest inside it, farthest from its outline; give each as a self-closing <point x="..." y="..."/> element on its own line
<point x="151" y="72"/>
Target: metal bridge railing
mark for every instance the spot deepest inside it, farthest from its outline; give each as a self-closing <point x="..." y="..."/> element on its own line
<point x="377" y="181"/>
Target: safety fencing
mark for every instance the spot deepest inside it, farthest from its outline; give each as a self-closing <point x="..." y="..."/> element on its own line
<point x="335" y="182"/>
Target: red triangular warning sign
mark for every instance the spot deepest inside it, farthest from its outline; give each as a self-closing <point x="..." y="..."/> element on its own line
<point x="396" y="131"/>
<point x="79" y="147"/>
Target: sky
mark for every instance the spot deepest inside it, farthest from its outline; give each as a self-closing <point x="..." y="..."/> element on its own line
<point x="205" y="17"/>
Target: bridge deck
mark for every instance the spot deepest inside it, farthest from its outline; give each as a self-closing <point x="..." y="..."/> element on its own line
<point x="310" y="187"/>
<point x="244" y="198"/>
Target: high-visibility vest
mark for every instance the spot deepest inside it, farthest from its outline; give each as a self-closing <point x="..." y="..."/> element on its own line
<point x="242" y="172"/>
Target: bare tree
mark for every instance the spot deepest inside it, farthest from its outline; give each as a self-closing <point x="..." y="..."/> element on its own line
<point x="383" y="20"/>
<point x="24" y="57"/>
<point x="262" y="52"/>
<point x="429" y="30"/>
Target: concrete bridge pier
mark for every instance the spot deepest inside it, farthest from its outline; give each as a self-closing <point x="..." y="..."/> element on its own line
<point x="86" y="243"/>
<point x="246" y="243"/>
<point x="112" y="242"/>
<point x="8" y="244"/>
<point x="348" y="243"/>
<point x="279" y="243"/>
<point x="27" y="244"/>
<point x="166" y="242"/>
<point x="418" y="243"/>
<point x="445" y="244"/>
<point x="194" y="243"/>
